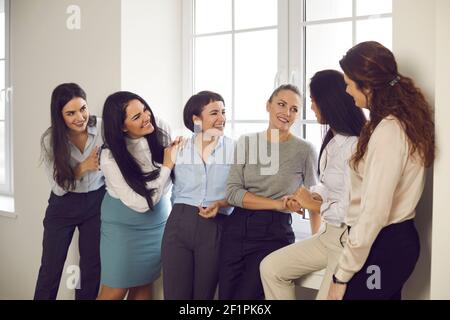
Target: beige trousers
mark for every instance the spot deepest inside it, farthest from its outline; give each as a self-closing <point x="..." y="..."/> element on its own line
<point x="280" y="268"/>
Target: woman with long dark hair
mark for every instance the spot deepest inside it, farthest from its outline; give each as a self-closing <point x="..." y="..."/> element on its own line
<point x="387" y="177"/>
<point x="328" y="200"/>
<point x="70" y="153"/>
<point x="137" y="166"/>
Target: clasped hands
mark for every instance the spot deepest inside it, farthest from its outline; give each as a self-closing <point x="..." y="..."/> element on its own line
<point x="300" y="200"/>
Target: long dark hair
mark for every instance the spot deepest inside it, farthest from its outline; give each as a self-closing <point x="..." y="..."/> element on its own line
<point x="337" y="108"/>
<point x="59" y="151"/>
<point x="114" y="115"/>
<point x="373" y="67"/>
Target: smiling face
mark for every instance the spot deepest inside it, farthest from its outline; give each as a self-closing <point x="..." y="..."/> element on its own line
<point x="283" y="110"/>
<point x="212" y="117"/>
<point x="137" y="122"/>
<point x="76" y="115"/>
<point x="360" y="96"/>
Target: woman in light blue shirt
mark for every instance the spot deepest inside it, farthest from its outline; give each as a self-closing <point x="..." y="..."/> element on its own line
<point x="70" y="153"/>
<point x="190" y="248"/>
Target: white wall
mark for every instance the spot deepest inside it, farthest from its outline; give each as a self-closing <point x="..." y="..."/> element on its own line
<point x="122" y="45"/>
<point x="151" y="55"/>
<point x="440" y="262"/>
<point x="44" y="54"/>
<point x="414" y="48"/>
<point x="421" y="33"/>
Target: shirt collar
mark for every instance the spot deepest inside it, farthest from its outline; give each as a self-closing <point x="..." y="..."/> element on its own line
<point x="92" y="130"/>
<point x="218" y="145"/>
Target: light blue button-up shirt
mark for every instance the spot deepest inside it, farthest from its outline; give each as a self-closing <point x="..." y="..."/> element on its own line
<point x="92" y="180"/>
<point x="200" y="184"/>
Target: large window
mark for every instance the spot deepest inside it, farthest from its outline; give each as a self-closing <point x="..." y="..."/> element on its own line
<point x="328" y="28"/>
<point x="235" y="53"/>
<point x="5" y="95"/>
<point x="244" y="48"/>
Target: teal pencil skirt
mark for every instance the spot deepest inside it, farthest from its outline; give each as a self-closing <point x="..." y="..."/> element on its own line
<point x="130" y="243"/>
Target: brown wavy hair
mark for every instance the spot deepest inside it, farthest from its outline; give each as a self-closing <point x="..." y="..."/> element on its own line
<point x="373" y="68"/>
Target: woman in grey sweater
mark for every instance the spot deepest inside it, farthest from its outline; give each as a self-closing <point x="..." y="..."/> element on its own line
<point x="270" y="165"/>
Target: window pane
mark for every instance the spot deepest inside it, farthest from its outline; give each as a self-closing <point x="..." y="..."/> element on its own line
<point x="375" y="29"/>
<point x="315" y="134"/>
<point x="369" y="7"/>
<point x="246" y="18"/>
<point x="328" y="9"/>
<point x="243" y="128"/>
<point x="2" y="153"/>
<point x="325" y="45"/>
<point x="212" y="16"/>
<point x="2" y="32"/>
<point x="213" y="66"/>
<point x="256" y="68"/>
<point x="2" y="74"/>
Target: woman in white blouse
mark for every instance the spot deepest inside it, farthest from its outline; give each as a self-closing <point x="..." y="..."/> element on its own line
<point x="327" y="201"/>
<point x="387" y="177"/>
<point x="135" y="208"/>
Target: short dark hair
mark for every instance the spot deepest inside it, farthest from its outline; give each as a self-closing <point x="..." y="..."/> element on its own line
<point x="195" y="105"/>
<point x="289" y="87"/>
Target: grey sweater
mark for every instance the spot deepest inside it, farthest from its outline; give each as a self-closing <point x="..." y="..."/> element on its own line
<point x="260" y="171"/>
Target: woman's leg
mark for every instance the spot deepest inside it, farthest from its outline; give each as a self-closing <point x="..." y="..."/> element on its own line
<point x="206" y="258"/>
<point x="108" y="293"/>
<point x="141" y="292"/>
<point x="58" y="234"/>
<point x="391" y="261"/>
<point x="89" y="246"/>
<point x="280" y="268"/>
<point x="177" y="254"/>
<point x="333" y="239"/>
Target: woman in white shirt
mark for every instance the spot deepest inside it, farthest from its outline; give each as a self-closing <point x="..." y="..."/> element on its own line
<point x="328" y="200"/>
<point x="387" y="177"/>
<point x="135" y="208"/>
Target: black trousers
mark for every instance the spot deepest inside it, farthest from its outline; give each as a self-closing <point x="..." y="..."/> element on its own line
<point x="393" y="255"/>
<point x="190" y="254"/>
<point x="63" y="215"/>
<point x="248" y="236"/>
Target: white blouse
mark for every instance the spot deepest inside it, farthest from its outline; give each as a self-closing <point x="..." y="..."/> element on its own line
<point x="334" y="186"/>
<point x="118" y="188"/>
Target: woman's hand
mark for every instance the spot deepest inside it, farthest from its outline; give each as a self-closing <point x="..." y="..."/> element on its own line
<point x="294" y="206"/>
<point x="91" y="163"/>
<point x="305" y="197"/>
<point x="171" y="152"/>
<point x="209" y="212"/>
<point x="281" y="204"/>
<point x="336" y="291"/>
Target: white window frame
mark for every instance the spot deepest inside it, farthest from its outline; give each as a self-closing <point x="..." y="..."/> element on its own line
<point x="297" y="13"/>
<point x="6" y="189"/>
<point x="292" y="26"/>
